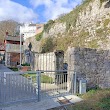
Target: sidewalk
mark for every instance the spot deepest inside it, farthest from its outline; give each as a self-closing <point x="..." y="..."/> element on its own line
<point x="45" y="104"/>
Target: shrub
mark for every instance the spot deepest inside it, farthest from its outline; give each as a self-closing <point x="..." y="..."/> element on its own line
<point x="39" y="36"/>
<point x="14" y="69"/>
<point x="47" y="45"/>
<point x="48" y="25"/>
<point x="25" y="64"/>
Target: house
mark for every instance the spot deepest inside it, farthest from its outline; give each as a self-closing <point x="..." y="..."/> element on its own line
<point x="2" y="51"/>
<point x="12" y="50"/>
<point x="28" y="29"/>
<point x="39" y="28"/>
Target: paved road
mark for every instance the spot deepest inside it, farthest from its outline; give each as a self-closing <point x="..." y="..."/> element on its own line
<point x="14" y="87"/>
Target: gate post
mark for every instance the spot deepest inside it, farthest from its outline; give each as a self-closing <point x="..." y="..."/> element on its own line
<point x="4" y="77"/>
<point x="39" y="85"/>
<point x="74" y="82"/>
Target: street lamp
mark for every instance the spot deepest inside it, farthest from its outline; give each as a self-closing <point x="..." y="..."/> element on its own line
<point x="21" y="35"/>
<point x="20" y="49"/>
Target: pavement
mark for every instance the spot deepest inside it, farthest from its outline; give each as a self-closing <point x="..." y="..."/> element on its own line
<point x="44" y="104"/>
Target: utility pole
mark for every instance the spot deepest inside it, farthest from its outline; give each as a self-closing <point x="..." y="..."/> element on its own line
<point x="20" y="50"/>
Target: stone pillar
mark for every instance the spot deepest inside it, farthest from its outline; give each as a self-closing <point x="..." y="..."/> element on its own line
<point x="59" y="60"/>
<point x="70" y="60"/>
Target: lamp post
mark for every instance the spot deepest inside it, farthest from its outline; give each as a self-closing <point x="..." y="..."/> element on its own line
<point x="20" y="50"/>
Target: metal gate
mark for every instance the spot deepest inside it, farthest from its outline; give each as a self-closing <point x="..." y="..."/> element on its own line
<point x="52" y="84"/>
<point x="16" y="87"/>
<point x="30" y="86"/>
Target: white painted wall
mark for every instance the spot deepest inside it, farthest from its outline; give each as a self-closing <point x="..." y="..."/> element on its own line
<point x="27" y="30"/>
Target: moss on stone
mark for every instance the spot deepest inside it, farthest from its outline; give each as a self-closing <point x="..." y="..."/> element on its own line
<point x="106" y="22"/>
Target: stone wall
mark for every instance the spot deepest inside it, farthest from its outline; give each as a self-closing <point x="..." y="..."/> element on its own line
<point x="90" y="64"/>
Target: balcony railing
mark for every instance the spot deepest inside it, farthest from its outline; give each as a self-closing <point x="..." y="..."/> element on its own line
<point x="14" y="48"/>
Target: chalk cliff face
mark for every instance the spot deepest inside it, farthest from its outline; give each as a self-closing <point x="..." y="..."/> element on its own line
<point x="88" y="24"/>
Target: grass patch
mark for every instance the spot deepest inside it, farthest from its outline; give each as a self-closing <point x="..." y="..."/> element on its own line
<point x="94" y="100"/>
<point x="14" y="69"/>
<point x="44" y="78"/>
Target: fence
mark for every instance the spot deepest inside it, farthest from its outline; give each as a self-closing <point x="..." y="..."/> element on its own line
<point x="30" y="86"/>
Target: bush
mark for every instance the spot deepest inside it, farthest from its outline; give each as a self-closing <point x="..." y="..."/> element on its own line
<point x="47" y="45"/>
<point x="39" y="36"/>
<point x="48" y="25"/>
<point x="14" y="69"/>
<point x="25" y="64"/>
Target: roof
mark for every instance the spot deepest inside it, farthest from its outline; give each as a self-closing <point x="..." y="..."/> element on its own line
<point x="32" y="24"/>
<point x="28" y="24"/>
<point x="13" y="38"/>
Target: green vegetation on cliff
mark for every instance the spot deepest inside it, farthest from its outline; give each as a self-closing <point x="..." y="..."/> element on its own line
<point x="48" y="25"/>
<point x="62" y="43"/>
<point x="93" y="34"/>
<point x="39" y="36"/>
<point x="71" y="17"/>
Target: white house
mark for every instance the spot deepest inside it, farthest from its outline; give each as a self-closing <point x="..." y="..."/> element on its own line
<point x="28" y="29"/>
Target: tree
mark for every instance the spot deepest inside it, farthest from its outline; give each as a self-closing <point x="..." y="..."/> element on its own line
<point x="9" y="26"/>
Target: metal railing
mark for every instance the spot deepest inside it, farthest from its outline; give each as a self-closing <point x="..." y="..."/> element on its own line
<point x="14" y="48"/>
<point x="53" y="84"/>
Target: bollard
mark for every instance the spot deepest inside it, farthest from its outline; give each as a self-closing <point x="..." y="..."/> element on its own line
<point x="39" y="85"/>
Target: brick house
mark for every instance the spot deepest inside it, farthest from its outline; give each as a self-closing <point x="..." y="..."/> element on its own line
<point x="2" y="51"/>
<point x="12" y="50"/>
<point x="39" y="28"/>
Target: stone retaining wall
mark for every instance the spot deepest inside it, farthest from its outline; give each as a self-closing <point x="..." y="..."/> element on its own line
<point x="90" y="64"/>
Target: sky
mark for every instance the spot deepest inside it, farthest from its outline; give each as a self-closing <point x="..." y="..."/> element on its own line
<point x="36" y="11"/>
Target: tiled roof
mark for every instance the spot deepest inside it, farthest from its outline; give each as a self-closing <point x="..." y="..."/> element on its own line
<point x="31" y="24"/>
<point x="13" y="38"/>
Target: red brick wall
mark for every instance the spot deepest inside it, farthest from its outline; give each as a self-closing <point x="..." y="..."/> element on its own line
<point x="14" y="59"/>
